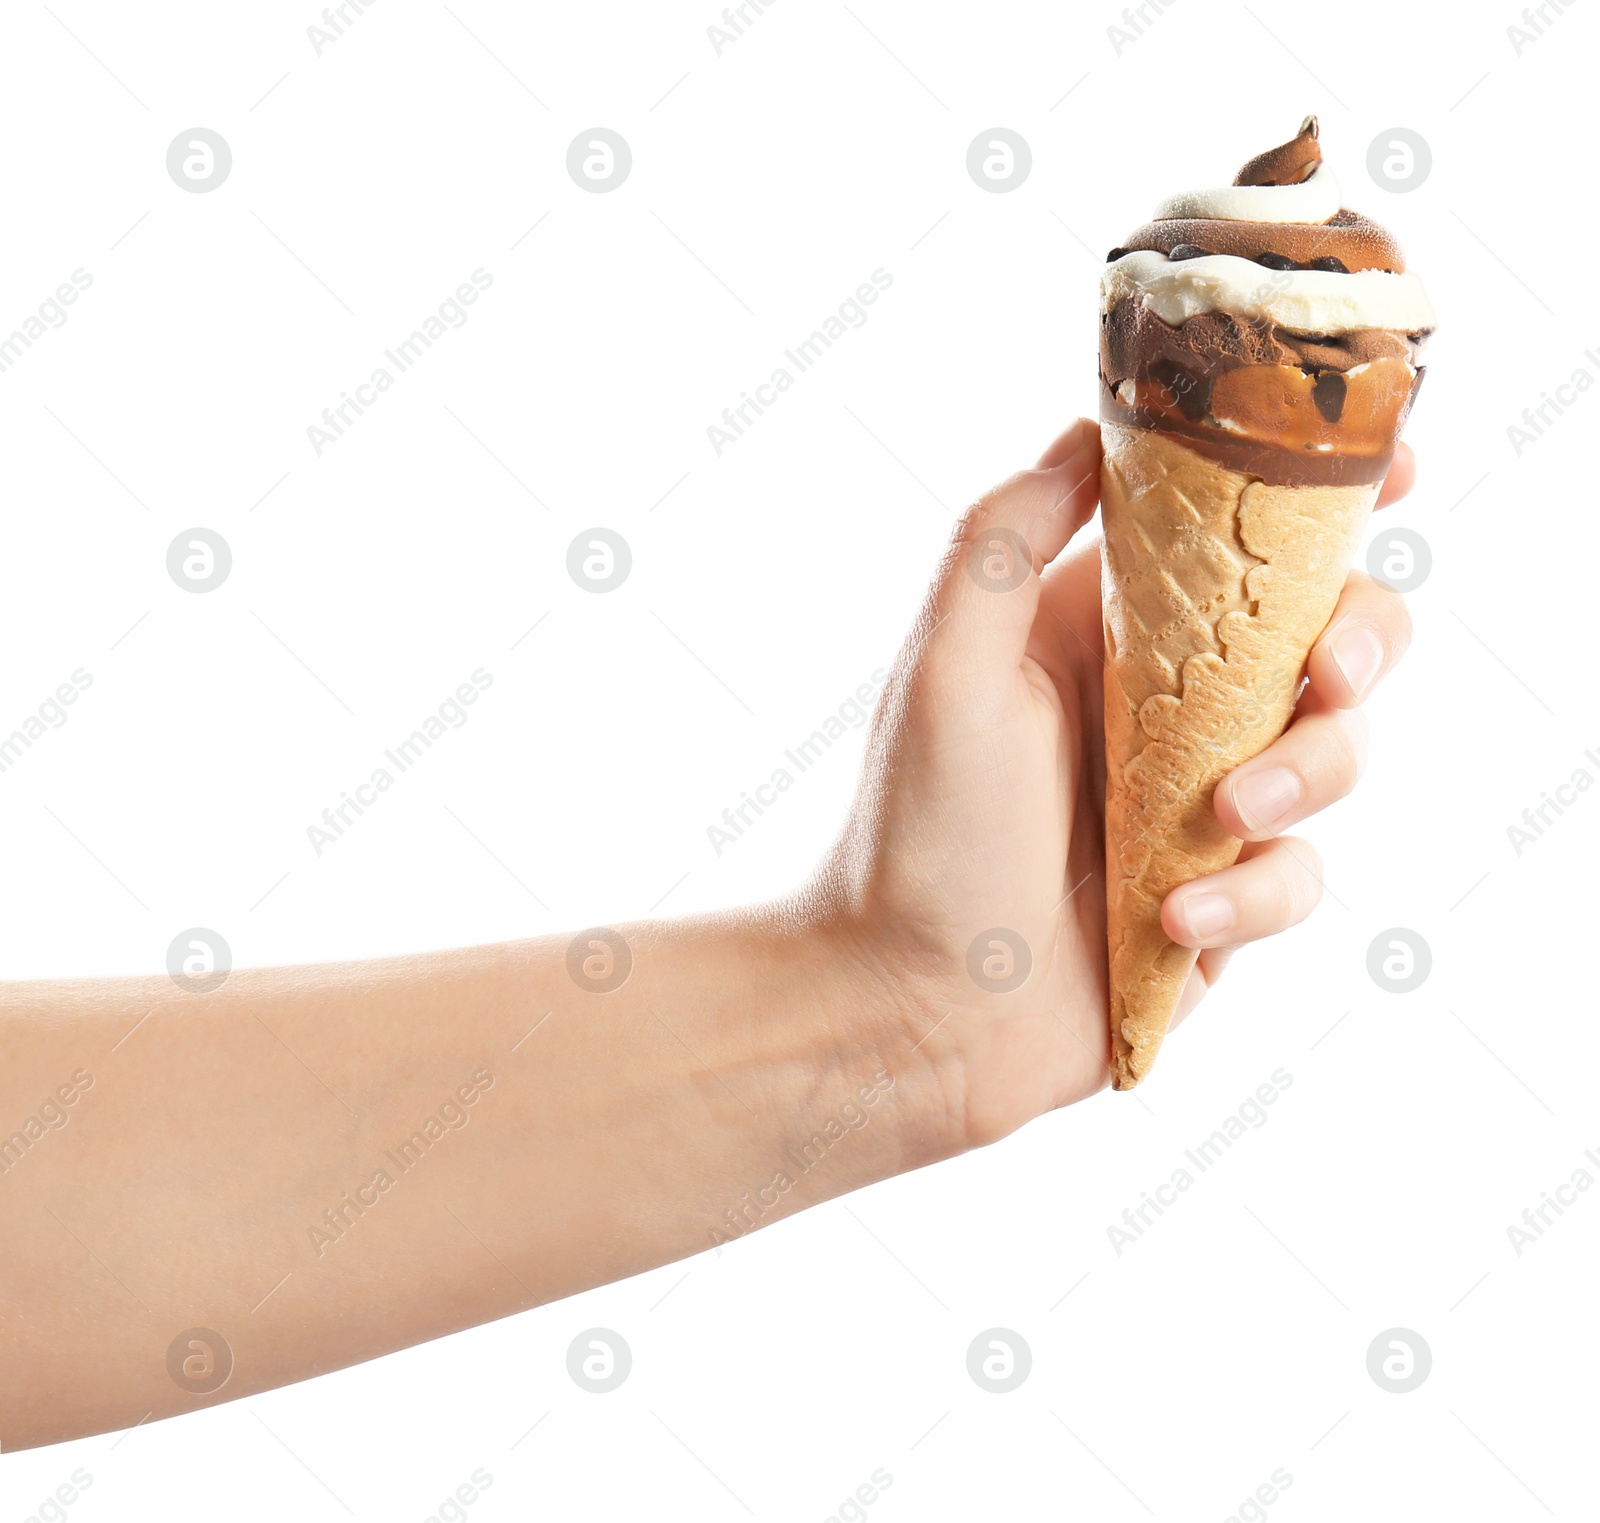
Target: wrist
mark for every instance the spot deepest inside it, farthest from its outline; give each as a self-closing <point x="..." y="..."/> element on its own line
<point x="782" y="1058"/>
<point x="877" y="1017"/>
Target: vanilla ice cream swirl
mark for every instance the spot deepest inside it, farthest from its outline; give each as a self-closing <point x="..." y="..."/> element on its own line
<point x="1275" y="247"/>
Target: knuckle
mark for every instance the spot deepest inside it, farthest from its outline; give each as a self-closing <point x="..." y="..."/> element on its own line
<point x="981" y="524"/>
<point x="1302" y="868"/>
<point x="990" y="509"/>
<point x="1347" y="734"/>
<point x="973" y="522"/>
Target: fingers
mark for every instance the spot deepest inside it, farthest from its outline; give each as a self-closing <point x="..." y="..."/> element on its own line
<point x="1277" y="880"/>
<point x="1316" y="762"/>
<point x="1401" y="478"/>
<point x="1067" y="443"/>
<point x="1203" y="976"/>
<point x="1274" y="885"/>
<point x="987" y="594"/>
<point x="1369" y="632"/>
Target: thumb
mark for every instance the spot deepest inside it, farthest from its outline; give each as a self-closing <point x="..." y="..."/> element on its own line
<point x="986" y="597"/>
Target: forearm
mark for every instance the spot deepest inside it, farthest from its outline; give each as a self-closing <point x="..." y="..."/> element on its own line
<point x="325" y="1164"/>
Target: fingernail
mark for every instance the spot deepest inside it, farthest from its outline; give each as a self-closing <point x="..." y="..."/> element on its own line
<point x="1265" y="797"/>
<point x="1358" y="653"/>
<point x="1207" y="915"/>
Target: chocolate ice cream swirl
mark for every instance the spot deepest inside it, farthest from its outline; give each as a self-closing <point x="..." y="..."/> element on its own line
<point x="1347" y="241"/>
<point x="1268" y="325"/>
<point x="1343" y="244"/>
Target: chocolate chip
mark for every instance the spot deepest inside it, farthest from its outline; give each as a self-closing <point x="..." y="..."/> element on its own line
<point x="1187" y="251"/>
<point x="1330" y="264"/>
<point x="1115" y="255"/>
<point x="1276" y="262"/>
<point x="1329" y="394"/>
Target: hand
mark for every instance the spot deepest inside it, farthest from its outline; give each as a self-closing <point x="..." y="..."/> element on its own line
<point x="983" y="794"/>
<point x="744" y="1065"/>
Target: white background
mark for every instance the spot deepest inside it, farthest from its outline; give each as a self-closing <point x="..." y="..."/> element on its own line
<point x="767" y="584"/>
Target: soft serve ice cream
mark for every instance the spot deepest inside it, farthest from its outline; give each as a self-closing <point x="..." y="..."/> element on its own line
<point x="1260" y="348"/>
<point x="1268" y="326"/>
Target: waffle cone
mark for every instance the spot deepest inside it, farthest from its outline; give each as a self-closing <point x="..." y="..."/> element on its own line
<point x="1215" y="585"/>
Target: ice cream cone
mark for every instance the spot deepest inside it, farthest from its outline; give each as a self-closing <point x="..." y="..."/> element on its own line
<point x="1251" y="406"/>
<point x="1214" y="586"/>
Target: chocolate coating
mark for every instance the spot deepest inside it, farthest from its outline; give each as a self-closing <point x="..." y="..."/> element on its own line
<point x="1270" y="462"/>
<point x="1294" y="409"/>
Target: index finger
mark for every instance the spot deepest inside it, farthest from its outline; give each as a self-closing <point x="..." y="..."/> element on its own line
<point x="1401" y="478"/>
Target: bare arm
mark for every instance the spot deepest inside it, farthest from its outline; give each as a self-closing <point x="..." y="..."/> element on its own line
<point x="321" y="1165"/>
<point x="308" y="1167"/>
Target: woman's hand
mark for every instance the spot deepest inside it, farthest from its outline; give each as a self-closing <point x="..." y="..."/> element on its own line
<point x="973" y="867"/>
<point x="368" y="1155"/>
